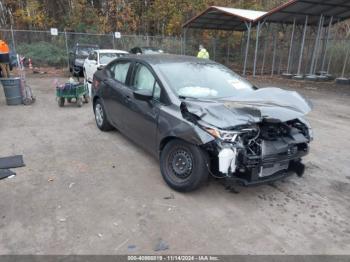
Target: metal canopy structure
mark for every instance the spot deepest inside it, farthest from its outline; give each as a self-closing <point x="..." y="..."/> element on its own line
<point x="298" y="9"/>
<point x="224" y="18"/>
<point x="318" y="14"/>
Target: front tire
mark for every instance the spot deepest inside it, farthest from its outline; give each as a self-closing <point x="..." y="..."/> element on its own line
<point x="184" y="166"/>
<point x="101" y="117"/>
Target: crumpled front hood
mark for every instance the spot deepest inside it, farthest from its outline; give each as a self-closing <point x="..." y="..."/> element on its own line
<point x="253" y="107"/>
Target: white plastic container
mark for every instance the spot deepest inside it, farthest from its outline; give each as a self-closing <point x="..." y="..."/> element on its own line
<point x="227" y="160"/>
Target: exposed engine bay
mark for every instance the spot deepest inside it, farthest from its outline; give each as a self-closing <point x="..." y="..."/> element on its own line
<point x="253" y="147"/>
<point x="254" y="154"/>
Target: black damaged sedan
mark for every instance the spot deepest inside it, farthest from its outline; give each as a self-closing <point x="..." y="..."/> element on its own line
<point x="200" y="118"/>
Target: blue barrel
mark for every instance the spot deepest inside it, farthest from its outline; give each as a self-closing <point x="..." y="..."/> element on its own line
<point x="12" y="90"/>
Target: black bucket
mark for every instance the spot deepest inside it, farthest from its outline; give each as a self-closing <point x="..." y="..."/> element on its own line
<point x="12" y="90"/>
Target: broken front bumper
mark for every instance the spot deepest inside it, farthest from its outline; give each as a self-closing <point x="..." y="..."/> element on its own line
<point x="254" y="178"/>
<point x="276" y="163"/>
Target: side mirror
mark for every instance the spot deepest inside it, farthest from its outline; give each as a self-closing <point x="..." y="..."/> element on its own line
<point x="108" y="73"/>
<point x="143" y="95"/>
<point x="100" y="67"/>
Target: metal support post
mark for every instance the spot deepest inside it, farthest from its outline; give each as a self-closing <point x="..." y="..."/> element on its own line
<point x="265" y="49"/>
<point x="302" y="45"/>
<point x="314" y="54"/>
<point x="318" y="47"/>
<point x="256" y="47"/>
<point x="345" y="63"/>
<point x="291" y="47"/>
<point x="249" y="27"/>
<point x="67" y="50"/>
<point x="327" y="44"/>
<point x="228" y="51"/>
<point x="275" y="36"/>
<point x="13" y="40"/>
<point x="184" y="42"/>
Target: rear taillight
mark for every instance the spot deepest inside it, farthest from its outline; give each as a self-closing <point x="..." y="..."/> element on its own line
<point x="95" y="84"/>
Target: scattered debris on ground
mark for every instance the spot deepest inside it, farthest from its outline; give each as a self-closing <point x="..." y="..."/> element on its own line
<point x="161" y="245"/>
<point x="10" y="162"/>
<point x="172" y="196"/>
<point x="6" y="173"/>
<point x="131" y="247"/>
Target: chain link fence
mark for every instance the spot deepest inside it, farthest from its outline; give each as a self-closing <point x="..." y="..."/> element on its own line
<point x="45" y="49"/>
<point x="273" y="49"/>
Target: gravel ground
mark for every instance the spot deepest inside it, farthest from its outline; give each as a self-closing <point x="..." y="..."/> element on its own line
<point x="87" y="192"/>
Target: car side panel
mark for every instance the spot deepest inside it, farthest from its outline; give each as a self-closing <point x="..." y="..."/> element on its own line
<point x="172" y="124"/>
<point x="113" y="96"/>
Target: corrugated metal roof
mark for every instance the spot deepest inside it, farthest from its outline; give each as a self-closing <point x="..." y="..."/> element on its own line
<point x="243" y="13"/>
<point x="223" y="18"/>
<point x="232" y="19"/>
<point x="299" y="9"/>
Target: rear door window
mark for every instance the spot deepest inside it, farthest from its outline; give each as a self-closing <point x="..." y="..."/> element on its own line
<point x="120" y="71"/>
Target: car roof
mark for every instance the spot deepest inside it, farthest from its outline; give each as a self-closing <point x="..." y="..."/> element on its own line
<point x="156" y="59"/>
<point x="111" y="51"/>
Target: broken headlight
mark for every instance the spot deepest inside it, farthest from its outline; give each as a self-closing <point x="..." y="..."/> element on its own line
<point x="230" y="135"/>
<point x="309" y="128"/>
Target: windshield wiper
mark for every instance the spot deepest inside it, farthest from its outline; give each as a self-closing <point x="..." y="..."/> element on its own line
<point x="188" y="97"/>
<point x="197" y="98"/>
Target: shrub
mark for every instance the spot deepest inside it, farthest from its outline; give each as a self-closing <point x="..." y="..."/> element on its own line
<point x="43" y="54"/>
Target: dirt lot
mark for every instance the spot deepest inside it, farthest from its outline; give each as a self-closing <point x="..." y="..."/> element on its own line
<point x="87" y="192"/>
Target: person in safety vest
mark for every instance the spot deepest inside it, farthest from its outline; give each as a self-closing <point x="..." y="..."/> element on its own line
<point x="203" y="53"/>
<point x="4" y="59"/>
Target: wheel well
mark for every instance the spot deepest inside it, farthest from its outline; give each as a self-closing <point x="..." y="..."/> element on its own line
<point x="165" y="141"/>
<point x="94" y="101"/>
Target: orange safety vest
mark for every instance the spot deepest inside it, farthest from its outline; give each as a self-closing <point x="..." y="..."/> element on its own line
<point x="4" y="48"/>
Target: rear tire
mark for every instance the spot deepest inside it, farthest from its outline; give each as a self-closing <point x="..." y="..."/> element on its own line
<point x="79" y="102"/>
<point x="76" y="71"/>
<point x="61" y="102"/>
<point x="184" y="166"/>
<point x="101" y="117"/>
<point x="86" y="99"/>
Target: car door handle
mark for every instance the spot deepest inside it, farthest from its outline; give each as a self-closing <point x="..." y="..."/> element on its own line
<point x="127" y="99"/>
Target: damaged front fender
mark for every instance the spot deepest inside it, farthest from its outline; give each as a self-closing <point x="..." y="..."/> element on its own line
<point x="172" y="124"/>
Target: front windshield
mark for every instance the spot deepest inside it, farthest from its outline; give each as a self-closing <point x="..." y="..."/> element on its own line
<point x="84" y="51"/>
<point x="105" y="58"/>
<point x="199" y="80"/>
